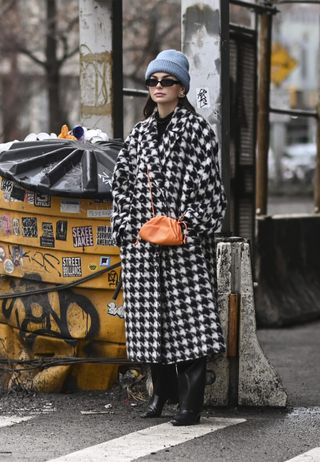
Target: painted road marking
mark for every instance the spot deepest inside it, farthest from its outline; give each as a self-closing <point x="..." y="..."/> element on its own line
<point x="310" y="456"/>
<point x="8" y="421"/>
<point x="144" y="442"/>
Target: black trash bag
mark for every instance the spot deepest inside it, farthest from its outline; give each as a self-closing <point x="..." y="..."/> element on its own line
<point x="62" y="167"/>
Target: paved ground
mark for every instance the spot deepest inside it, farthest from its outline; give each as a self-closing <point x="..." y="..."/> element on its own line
<point x="295" y="353"/>
<point x="56" y="425"/>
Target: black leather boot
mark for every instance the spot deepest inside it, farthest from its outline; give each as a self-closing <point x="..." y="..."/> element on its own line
<point x="165" y="388"/>
<point x="191" y="383"/>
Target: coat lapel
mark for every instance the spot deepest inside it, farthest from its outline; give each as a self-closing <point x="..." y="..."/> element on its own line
<point x="151" y="162"/>
<point x="174" y="132"/>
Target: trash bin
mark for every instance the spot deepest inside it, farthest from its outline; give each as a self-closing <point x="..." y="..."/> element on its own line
<point x="56" y="252"/>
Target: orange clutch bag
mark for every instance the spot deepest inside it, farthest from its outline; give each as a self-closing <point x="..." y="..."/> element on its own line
<point x="160" y="229"/>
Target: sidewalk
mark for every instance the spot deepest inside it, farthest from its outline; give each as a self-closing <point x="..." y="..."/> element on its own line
<point x="295" y="353"/>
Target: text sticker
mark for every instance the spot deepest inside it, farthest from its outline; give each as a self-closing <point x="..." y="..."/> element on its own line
<point x="71" y="267"/>
<point x="82" y="236"/>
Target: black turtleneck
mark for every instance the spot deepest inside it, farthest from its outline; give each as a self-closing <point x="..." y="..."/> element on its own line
<point x="162" y="123"/>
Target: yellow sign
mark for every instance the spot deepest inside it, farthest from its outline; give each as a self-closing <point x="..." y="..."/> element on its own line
<point x="282" y="64"/>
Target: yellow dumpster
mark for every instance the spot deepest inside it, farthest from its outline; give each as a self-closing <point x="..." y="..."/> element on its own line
<point x="58" y="263"/>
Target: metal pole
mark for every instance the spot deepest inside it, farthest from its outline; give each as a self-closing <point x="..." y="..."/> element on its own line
<point x="264" y="69"/>
<point x="225" y="109"/>
<point x="117" y="70"/>
<point x="317" y="171"/>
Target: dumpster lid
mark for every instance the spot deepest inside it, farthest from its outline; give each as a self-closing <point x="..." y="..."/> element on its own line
<point x="61" y="167"/>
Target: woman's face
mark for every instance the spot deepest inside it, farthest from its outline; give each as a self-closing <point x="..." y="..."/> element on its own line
<point x="161" y="94"/>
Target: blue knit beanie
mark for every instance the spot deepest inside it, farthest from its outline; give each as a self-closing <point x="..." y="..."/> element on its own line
<point x="174" y="63"/>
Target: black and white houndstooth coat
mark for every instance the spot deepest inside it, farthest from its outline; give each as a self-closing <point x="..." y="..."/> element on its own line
<point x="169" y="292"/>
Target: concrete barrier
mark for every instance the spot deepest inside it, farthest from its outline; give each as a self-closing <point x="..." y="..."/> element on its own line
<point x="244" y="376"/>
<point x="288" y="270"/>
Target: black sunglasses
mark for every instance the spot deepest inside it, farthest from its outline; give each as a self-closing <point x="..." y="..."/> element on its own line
<point x="163" y="82"/>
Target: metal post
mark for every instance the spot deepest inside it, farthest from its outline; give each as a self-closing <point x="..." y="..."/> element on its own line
<point x="225" y="109"/>
<point x="234" y="323"/>
<point x="317" y="171"/>
<point x="264" y="69"/>
<point x="117" y="69"/>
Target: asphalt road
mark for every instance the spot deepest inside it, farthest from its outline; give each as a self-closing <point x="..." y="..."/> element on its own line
<point x="61" y="424"/>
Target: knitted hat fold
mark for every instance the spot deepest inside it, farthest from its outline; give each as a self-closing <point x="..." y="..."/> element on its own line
<point x="172" y="62"/>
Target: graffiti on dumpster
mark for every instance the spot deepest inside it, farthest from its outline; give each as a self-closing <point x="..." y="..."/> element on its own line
<point x="36" y="315"/>
<point x="115" y="310"/>
<point x="46" y="261"/>
<point x="113" y="278"/>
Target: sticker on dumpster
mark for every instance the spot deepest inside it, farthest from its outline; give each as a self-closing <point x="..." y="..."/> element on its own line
<point x="16" y="254"/>
<point x="17" y="193"/>
<point x="104" y="235"/>
<point x="5" y="225"/>
<point x="115" y="310"/>
<point x="29" y="227"/>
<point x="30" y="197"/>
<point x="61" y="230"/>
<point x="47" y="238"/>
<point x="70" y="206"/>
<point x="8" y="266"/>
<point x="2" y="254"/>
<point x="113" y="278"/>
<point x="16" y="226"/>
<point x="42" y="200"/>
<point x="105" y="261"/>
<point x="71" y="267"/>
<point x="92" y="267"/>
<point x="6" y="185"/>
<point x="106" y="213"/>
<point x="82" y="236"/>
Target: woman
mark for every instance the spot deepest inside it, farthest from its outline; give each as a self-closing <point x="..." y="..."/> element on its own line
<point x="169" y="291"/>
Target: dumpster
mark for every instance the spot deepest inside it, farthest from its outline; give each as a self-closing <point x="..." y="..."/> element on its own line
<point x="60" y="319"/>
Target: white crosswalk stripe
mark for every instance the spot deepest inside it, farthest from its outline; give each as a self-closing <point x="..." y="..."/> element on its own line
<point x="149" y="440"/>
<point x="310" y="456"/>
<point x="8" y="421"/>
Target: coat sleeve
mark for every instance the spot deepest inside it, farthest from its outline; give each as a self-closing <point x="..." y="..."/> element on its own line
<point x="122" y="187"/>
<point x="204" y="214"/>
